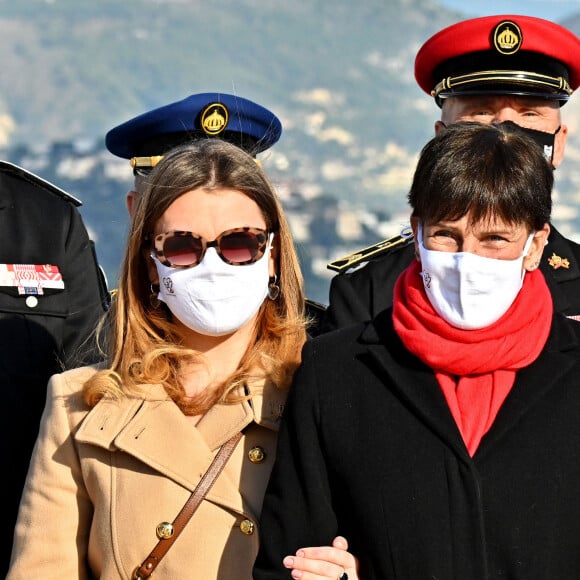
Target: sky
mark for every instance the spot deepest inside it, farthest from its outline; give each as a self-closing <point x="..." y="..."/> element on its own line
<point x="556" y="10"/>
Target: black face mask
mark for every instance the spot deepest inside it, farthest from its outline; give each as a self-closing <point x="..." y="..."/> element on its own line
<point x="544" y="139"/>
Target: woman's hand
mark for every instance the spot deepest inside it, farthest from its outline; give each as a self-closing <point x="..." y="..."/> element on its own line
<point x="334" y="562"/>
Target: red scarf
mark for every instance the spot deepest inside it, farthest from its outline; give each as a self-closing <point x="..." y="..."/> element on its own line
<point x="475" y="369"/>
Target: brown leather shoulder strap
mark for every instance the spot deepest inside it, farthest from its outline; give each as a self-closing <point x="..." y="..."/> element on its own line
<point x="152" y="561"/>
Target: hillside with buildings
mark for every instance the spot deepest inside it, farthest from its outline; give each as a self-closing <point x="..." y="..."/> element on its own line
<point x="339" y="76"/>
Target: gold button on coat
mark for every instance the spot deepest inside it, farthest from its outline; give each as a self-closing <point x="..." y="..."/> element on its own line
<point x="247" y="527"/>
<point x="164" y="530"/>
<point x="256" y="455"/>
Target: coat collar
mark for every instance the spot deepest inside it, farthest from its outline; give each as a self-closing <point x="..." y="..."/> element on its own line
<point x="535" y="382"/>
<point x="152" y="429"/>
<point x="559" y="264"/>
<point x="558" y="261"/>
<point x="412" y="380"/>
<point x="416" y="384"/>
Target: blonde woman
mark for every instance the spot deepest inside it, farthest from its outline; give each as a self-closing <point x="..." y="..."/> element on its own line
<point x="203" y="339"/>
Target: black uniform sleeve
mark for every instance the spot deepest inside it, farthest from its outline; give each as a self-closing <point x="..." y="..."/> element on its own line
<point x="87" y="293"/>
<point x="347" y="303"/>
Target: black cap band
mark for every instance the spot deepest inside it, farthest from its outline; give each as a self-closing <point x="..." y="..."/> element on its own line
<point x="160" y="144"/>
<point x="490" y="72"/>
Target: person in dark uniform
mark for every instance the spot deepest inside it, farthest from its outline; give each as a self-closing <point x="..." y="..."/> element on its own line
<point x="52" y="294"/>
<point x="146" y="138"/>
<point x="490" y="69"/>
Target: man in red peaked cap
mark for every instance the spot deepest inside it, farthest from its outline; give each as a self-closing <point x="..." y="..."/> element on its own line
<point x="490" y="69"/>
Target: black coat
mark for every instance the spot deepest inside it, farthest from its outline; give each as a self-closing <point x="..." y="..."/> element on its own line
<point x="39" y="334"/>
<point x="369" y="449"/>
<point x="361" y="294"/>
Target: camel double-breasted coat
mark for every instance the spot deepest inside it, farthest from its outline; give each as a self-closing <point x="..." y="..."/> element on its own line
<point x="101" y="480"/>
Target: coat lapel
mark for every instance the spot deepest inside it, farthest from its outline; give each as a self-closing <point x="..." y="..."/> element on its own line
<point x="416" y="384"/>
<point x="412" y="381"/>
<point x="533" y="383"/>
<point x="155" y="431"/>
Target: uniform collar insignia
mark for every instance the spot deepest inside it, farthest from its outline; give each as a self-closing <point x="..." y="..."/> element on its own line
<point x="557" y="262"/>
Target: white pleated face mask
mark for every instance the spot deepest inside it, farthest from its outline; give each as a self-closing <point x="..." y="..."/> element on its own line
<point x="467" y="290"/>
<point x="214" y="298"/>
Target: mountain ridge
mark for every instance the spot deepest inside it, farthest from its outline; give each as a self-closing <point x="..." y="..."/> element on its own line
<point x="340" y="77"/>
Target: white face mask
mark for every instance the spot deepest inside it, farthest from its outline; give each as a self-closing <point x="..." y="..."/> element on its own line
<point x="214" y="298"/>
<point x="467" y="290"/>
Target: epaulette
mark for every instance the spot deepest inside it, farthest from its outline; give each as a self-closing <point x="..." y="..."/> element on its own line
<point x="36" y="181"/>
<point x="404" y="238"/>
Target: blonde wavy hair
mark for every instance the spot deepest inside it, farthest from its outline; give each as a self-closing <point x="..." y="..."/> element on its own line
<point x="138" y="337"/>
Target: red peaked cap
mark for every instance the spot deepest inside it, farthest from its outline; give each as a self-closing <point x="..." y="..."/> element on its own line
<point x="503" y="54"/>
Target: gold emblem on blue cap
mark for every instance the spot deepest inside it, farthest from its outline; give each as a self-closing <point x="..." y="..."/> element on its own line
<point x="507" y="37"/>
<point x="214" y="119"/>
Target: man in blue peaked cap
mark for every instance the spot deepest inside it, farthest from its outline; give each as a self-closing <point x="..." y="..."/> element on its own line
<point x="145" y="138"/>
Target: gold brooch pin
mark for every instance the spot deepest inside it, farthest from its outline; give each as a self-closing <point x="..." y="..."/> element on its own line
<point x="557" y="262"/>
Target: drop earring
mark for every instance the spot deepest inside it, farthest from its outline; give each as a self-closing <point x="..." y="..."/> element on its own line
<point x="154" y="302"/>
<point x="273" y="288"/>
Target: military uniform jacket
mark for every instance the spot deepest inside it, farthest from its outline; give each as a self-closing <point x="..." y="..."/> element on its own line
<point x="40" y="226"/>
<point x="362" y="293"/>
<point x="101" y="480"/>
<point x="369" y="449"/>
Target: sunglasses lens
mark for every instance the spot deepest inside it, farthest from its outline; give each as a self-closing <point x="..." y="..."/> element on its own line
<point x="182" y="250"/>
<point x="243" y="247"/>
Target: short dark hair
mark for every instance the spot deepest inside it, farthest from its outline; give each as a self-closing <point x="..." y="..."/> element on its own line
<point x="486" y="169"/>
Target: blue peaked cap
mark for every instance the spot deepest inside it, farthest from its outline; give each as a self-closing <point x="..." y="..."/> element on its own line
<point x="240" y="121"/>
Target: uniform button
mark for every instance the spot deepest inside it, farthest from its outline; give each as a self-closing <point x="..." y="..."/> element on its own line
<point x="31" y="301"/>
<point x="164" y="530"/>
<point x="256" y="455"/>
<point x="247" y="527"/>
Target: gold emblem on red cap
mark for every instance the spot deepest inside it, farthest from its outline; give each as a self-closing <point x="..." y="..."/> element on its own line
<point x="214" y="119"/>
<point x="507" y="37"/>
